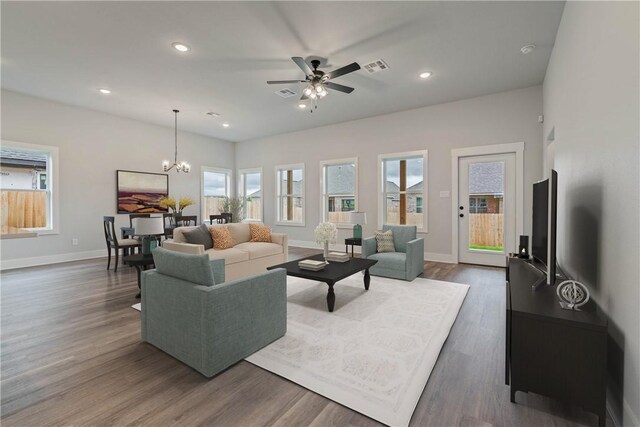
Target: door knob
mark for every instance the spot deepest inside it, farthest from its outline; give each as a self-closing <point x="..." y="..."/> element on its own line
<point x="461" y="215"/>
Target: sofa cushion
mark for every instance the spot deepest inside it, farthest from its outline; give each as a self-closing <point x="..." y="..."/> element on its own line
<point x="240" y="232"/>
<point x="199" y="236"/>
<point x="260" y="233"/>
<point x="192" y="268"/>
<point x="390" y="260"/>
<point x="178" y="233"/>
<point x="260" y="249"/>
<point x="230" y="256"/>
<point x="222" y="238"/>
<point x="402" y="234"/>
<point x="384" y="241"/>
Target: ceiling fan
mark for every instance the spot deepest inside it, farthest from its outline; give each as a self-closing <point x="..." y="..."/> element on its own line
<point x="318" y="81"/>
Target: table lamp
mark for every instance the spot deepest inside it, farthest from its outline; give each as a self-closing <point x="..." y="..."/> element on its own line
<point x="149" y="229"/>
<point x="358" y="218"/>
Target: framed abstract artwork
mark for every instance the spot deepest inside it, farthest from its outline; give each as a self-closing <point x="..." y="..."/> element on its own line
<point x="141" y="192"/>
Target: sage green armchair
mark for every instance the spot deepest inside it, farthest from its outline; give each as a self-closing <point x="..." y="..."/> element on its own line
<point x="189" y="312"/>
<point x="406" y="263"/>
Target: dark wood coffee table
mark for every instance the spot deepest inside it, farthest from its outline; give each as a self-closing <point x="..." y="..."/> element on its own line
<point x="332" y="273"/>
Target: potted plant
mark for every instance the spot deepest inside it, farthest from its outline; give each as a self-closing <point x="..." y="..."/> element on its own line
<point x="234" y="206"/>
<point x="176" y="208"/>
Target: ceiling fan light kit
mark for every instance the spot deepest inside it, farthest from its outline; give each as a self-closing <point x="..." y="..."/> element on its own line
<point x="182" y="166"/>
<point x="318" y="81"/>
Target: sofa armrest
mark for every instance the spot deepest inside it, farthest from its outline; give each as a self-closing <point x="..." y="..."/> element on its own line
<point x="415" y="257"/>
<point x="368" y="247"/>
<point x="187" y="248"/>
<point x="282" y="239"/>
<point x="217" y="266"/>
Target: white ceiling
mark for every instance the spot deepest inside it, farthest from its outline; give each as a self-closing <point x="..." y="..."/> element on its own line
<point x="65" y="51"/>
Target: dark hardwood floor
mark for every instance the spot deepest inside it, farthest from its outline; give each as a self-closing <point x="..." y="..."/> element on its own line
<point x="71" y="355"/>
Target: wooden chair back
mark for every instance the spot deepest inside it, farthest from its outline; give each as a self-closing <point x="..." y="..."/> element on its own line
<point x="189" y="220"/>
<point x="110" y="236"/>
<point x="228" y="217"/>
<point x="218" y="219"/>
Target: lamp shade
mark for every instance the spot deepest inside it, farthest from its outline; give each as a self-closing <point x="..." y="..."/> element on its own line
<point x="358" y="218"/>
<point x="148" y="226"/>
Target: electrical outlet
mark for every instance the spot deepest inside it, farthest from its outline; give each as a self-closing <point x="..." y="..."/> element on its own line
<point x="74" y="241"/>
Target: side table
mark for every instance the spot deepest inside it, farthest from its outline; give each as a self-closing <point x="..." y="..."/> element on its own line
<point x="353" y="242"/>
<point x="140" y="262"/>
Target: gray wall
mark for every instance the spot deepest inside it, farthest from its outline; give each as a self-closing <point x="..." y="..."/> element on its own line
<point x="92" y="146"/>
<point x="591" y="104"/>
<point x="499" y="118"/>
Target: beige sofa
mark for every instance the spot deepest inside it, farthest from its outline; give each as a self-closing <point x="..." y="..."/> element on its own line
<point x="245" y="258"/>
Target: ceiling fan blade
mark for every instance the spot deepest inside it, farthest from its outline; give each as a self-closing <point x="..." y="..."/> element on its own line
<point x="282" y="82"/>
<point x="344" y="70"/>
<point x="300" y="62"/>
<point x="340" y="88"/>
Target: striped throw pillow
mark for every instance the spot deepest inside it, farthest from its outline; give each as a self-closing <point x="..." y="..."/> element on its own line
<point x="384" y="241"/>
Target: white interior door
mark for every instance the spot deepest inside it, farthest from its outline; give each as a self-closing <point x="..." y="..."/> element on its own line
<point x="486" y="208"/>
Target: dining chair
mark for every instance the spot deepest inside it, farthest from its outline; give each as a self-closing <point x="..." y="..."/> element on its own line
<point x="228" y="217"/>
<point x="137" y="215"/>
<point x="188" y="220"/>
<point x="112" y="241"/>
<point x="218" y="219"/>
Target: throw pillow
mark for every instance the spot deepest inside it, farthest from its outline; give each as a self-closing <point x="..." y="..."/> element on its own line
<point x="260" y="233"/>
<point x="221" y="237"/>
<point x="384" y="241"/>
<point x="199" y="236"/>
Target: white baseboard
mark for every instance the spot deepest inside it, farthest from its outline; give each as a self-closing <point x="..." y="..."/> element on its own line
<point x="428" y="256"/>
<point x="10" y="264"/>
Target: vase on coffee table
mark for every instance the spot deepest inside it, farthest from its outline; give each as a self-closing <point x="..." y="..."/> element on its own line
<point x="326" y="250"/>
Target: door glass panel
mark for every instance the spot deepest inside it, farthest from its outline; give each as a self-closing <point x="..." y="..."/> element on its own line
<point x="486" y="206"/>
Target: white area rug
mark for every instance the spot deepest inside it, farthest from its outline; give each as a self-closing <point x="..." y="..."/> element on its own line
<point x="375" y="352"/>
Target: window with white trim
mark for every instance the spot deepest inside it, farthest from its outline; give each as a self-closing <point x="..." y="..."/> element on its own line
<point x="250" y="186"/>
<point x="28" y="182"/>
<point x="215" y="186"/>
<point x="290" y="203"/>
<point x="403" y="189"/>
<point x="339" y="190"/>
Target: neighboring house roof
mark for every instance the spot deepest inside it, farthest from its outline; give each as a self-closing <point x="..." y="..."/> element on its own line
<point x="393" y="187"/>
<point x="257" y="193"/>
<point x="11" y="157"/>
<point x="486" y="178"/>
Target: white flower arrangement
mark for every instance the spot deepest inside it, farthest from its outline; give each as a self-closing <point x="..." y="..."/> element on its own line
<point x="326" y="232"/>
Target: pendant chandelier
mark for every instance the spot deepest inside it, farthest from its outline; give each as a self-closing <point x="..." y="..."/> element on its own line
<point x="182" y="166"/>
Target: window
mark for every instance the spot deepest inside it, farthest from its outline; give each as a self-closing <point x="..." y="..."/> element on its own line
<point x="339" y="181"/>
<point x="290" y="195"/>
<point x="216" y="185"/>
<point x="28" y="180"/>
<point x="251" y="189"/>
<point x="403" y="189"/>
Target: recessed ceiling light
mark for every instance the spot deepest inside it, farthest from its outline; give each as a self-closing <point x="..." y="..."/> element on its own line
<point x="302" y="105"/>
<point x="527" y="49"/>
<point x="180" y="47"/>
<point x="104" y="91"/>
<point x="225" y="125"/>
<point x="425" y="75"/>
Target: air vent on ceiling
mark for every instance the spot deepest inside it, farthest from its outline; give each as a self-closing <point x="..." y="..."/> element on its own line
<point x="213" y="114"/>
<point x="375" y="66"/>
<point x="286" y="93"/>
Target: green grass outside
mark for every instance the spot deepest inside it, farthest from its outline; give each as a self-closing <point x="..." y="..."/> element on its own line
<point x="487" y="248"/>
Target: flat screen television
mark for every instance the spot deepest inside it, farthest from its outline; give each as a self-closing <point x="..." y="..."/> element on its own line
<point x="543" y="235"/>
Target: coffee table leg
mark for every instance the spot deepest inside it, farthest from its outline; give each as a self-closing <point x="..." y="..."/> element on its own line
<point x="139" y="269"/>
<point x="331" y="298"/>
<point x="367" y="279"/>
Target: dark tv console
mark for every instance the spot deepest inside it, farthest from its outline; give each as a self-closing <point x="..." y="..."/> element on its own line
<point x="550" y="351"/>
